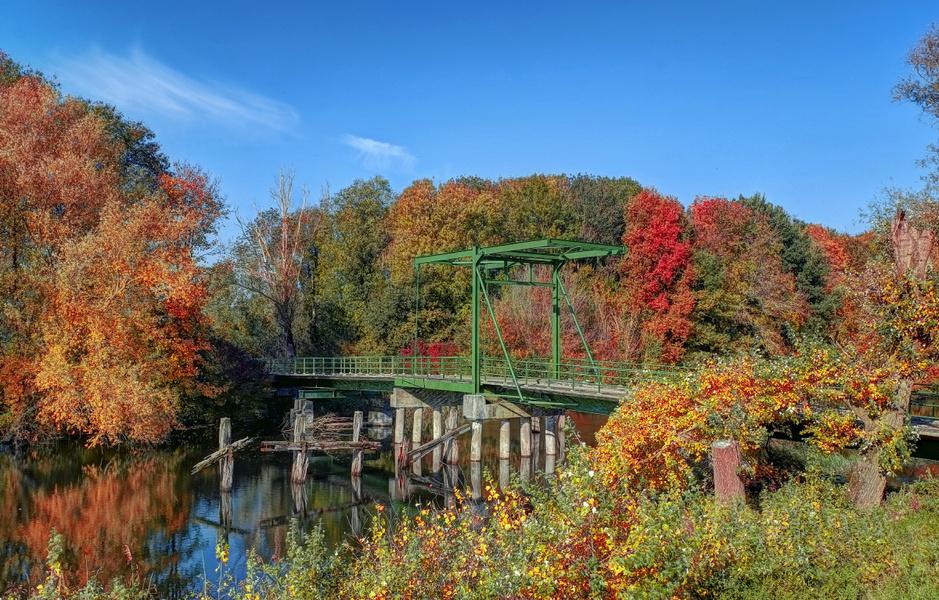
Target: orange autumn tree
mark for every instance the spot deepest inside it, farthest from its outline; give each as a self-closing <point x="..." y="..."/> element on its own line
<point x="103" y="295"/>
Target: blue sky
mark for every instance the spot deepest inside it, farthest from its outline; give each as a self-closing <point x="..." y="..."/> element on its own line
<point x="789" y="99"/>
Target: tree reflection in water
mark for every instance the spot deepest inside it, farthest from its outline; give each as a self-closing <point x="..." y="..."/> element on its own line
<point x="141" y="513"/>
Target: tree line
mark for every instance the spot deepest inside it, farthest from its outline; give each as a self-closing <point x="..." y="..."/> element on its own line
<point x="116" y="327"/>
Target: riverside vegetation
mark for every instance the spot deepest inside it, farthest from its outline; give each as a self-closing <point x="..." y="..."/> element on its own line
<point x="791" y="330"/>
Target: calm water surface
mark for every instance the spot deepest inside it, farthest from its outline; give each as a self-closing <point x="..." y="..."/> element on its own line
<point x="142" y="512"/>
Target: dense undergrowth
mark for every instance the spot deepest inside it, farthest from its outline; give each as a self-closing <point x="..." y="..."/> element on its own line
<point x="584" y="539"/>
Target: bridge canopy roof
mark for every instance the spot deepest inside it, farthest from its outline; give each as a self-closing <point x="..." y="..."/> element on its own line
<point x="545" y="251"/>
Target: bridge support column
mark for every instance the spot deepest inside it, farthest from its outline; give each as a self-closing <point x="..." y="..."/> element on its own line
<point x="562" y="436"/>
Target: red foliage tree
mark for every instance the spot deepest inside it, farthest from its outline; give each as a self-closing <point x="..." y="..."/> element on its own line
<point x="656" y="275"/>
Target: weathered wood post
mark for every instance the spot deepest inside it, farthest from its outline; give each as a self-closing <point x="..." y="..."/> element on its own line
<point x="550" y="435"/>
<point x="524" y="468"/>
<point x="437" y="425"/>
<point x="505" y="439"/>
<point x="300" y="499"/>
<point x="355" y="518"/>
<point x="399" y="426"/>
<point x="300" y="460"/>
<point x="417" y="427"/>
<point x="227" y="463"/>
<point x="357" y="452"/>
<point x="524" y="438"/>
<point x="535" y="442"/>
<point x="476" y="480"/>
<point x="562" y="436"/>
<point x="476" y="443"/>
<point x="453" y="446"/>
<point x="503" y="473"/>
<point x="725" y="457"/>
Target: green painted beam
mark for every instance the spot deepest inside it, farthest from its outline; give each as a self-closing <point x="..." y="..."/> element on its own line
<point x="431" y="383"/>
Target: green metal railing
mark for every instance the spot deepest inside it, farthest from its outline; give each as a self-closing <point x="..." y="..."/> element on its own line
<point x="573" y="374"/>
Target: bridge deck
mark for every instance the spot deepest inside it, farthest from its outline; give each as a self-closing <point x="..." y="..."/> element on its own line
<point x="590" y="387"/>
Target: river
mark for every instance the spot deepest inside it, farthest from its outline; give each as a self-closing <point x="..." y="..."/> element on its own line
<point x="140" y="513"/>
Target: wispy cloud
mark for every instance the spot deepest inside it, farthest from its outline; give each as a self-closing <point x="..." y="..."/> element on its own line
<point x="140" y="84"/>
<point x="380" y="156"/>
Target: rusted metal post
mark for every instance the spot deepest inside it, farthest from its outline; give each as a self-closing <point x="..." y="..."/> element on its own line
<point x="358" y="452"/>
<point x="728" y="487"/>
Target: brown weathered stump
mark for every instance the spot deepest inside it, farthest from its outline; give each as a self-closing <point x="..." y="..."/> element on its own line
<point x="728" y="487"/>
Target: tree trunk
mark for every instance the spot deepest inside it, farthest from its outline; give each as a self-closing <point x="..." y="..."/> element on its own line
<point x="867" y="481"/>
<point x="286" y="326"/>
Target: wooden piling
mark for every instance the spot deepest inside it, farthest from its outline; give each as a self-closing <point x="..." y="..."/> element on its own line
<point x="300" y="460"/>
<point x="725" y="456"/>
<point x="476" y="479"/>
<point x="227" y="463"/>
<point x="399" y="425"/>
<point x="524" y="438"/>
<point x="357" y="453"/>
<point x="505" y="439"/>
<point x="550" y="436"/>
<point x="437" y="432"/>
<point x="535" y="442"/>
<point x="476" y="442"/>
<point x="453" y="446"/>
<point x="417" y="427"/>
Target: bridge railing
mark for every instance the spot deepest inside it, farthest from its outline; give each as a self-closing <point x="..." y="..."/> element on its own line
<point x="571" y="374"/>
<point x="456" y="367"/>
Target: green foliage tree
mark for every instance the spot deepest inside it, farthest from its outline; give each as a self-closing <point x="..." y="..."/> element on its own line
<point x="801" y="258"/>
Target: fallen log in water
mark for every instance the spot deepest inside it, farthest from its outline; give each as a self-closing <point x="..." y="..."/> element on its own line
<point x="220" y="453"/>
<point x="319" y="445"/>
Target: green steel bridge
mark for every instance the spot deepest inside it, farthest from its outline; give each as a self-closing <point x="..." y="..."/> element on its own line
<point x="582" y="385"/>
<point x="553" y="382"/>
